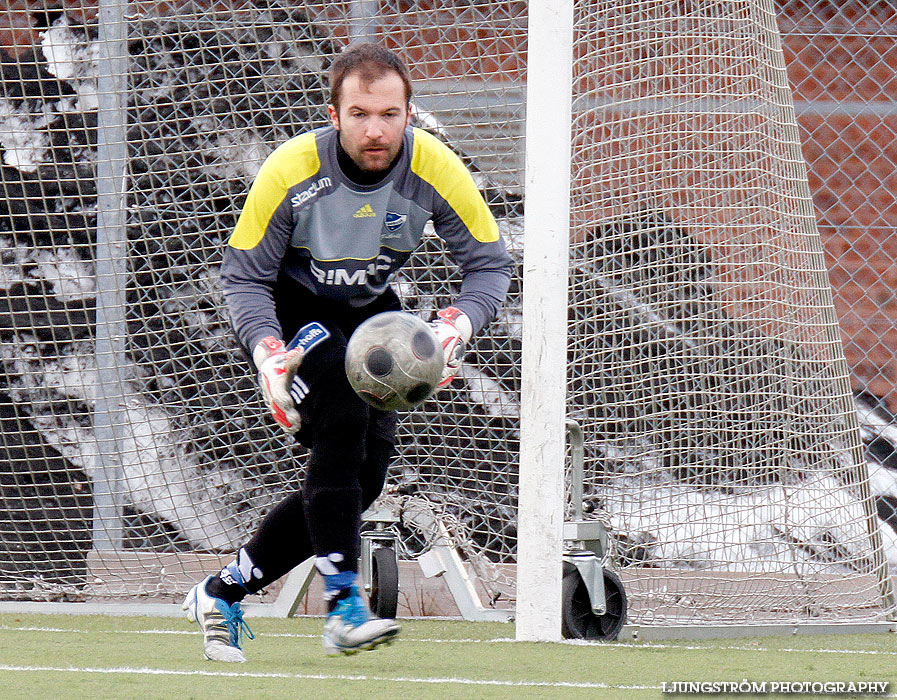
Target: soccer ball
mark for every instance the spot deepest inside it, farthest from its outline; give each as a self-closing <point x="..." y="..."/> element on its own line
<point x="394" y="361"/>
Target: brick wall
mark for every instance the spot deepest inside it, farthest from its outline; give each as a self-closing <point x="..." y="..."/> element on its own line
<point x="841" y="59"/>
<point x="23" y="21"/>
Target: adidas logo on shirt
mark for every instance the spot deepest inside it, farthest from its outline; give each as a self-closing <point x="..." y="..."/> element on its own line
<point x="364" y="212"/>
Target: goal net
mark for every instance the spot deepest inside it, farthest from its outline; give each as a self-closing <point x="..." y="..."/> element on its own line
<point x="704" y="361"/>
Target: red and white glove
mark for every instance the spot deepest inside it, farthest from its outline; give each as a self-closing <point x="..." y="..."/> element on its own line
<point x="453" y="331"/>
<point x="277" y="367"/>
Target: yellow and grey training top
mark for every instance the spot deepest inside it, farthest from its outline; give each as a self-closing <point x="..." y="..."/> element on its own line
<point x="343" y="241"/>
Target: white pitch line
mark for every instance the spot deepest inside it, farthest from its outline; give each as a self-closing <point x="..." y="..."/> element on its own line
<point x="795" y="650"/>
<point x="498" y="640"/>
<point x="324" y="677"/>
<point x="287" y="635"/>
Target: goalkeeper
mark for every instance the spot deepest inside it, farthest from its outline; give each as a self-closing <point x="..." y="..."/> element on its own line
<point x="332" y="215"/>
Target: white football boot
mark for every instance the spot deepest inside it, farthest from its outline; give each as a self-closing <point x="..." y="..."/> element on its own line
<point x="351" y="627"/>
<point x="222" y="625"/>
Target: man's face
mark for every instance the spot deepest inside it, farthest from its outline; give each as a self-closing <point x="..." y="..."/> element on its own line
<point x="371" y="119"/>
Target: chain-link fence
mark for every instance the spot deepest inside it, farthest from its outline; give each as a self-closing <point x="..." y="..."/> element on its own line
<point x="132" y="426"/>
<point x="841" y="59"/>
<point x="122" y="388"/>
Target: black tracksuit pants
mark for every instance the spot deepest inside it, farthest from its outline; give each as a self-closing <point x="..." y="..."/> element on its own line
<point x="350" y="445"/>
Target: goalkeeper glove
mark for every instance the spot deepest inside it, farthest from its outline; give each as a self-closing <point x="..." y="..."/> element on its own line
<point x="277" y="367"/>
<point x="453" y="331"/>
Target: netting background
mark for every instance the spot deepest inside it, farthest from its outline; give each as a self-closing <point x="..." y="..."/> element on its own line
<point x="172" y="419"/>
<point x="704" y="286"/>
<point x="707" y="366"/>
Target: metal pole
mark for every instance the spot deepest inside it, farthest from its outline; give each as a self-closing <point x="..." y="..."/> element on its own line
<point x="363" y="20"/>
<point x="111" y="269"/>
<point x="545" y="269"/>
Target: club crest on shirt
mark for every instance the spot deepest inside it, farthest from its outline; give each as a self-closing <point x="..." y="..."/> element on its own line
<point x="393" y="221"/>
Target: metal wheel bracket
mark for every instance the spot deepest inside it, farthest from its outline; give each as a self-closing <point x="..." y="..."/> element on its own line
<point x="589" y="535"/>
<point x="370" y="541"/>
<point x="582" y="534"/>
<point x="585" y="541"/>
<point x="383" y="535"/>
<point x="592" y="574"/>
<point x="380" y="514"/>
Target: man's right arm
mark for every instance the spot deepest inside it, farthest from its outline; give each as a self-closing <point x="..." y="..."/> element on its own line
<point x="253" y="258"/>
<point x="252" y="262"/>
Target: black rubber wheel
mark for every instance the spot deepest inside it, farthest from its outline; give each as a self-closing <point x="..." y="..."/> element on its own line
<point x="579" y="622"/>
<point x="384" y="582"/>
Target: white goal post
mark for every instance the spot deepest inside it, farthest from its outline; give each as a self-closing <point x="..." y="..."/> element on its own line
<point x="670" y="296"/>
<point x="544" y="355"/>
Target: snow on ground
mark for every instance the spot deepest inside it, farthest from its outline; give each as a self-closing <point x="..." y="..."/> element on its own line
<point x="158" y="476"/>
<point x="70" y="277"/>
<point x="72" y="58"/>
<point x="488" y="393"/>
<point x="798" y="525"/>
<point x="23" y="137"/>
<point x="13" y="260"/>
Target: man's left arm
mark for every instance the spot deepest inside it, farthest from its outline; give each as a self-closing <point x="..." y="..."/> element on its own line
<point x="469" y="230"/>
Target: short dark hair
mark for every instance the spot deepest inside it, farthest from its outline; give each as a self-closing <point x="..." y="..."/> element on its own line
<point x="371" y="62"/>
